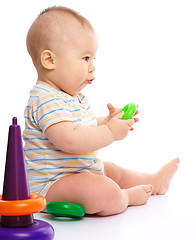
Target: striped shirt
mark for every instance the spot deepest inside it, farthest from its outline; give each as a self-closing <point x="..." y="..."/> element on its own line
<point x="45" y="163"/>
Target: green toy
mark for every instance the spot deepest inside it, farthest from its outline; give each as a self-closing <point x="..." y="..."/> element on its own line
<point x="65" y="209"/>
<point x="129" y="111"/>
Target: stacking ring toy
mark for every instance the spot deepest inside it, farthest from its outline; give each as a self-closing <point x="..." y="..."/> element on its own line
<point x="129" y="111"/>
<point x="16" y="204"/>
<point x="65" y="209"/>
<point x="35" y="204"/>
<point x="39" y="230"/>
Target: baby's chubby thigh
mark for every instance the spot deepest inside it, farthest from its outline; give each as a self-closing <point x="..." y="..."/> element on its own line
<point x="97" y="193"/>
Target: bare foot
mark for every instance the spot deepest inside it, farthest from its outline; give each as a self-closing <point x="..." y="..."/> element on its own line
<point x="165" y="175"/>
<point x="139" y="195"/>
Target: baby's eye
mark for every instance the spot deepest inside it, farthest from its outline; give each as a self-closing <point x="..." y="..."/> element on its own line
<point x="86" y="58"/>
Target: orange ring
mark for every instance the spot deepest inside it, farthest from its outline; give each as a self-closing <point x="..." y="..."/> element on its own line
<point x="35" y="204"/>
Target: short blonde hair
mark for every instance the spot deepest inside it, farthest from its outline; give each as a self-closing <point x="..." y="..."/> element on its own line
<point x="41" y="33"/>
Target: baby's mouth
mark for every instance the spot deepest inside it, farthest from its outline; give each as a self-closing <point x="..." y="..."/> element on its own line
<point x="90" y="81"/>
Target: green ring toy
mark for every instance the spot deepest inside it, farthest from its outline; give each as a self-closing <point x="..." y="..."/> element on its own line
<point x="129" y="111"/>
<point x="65" y="209"/>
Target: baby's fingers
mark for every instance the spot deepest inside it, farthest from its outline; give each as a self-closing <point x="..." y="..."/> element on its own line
<point x="119" y="115"/>
<point x="111" y="108"/>
<point x="137" y="111"/>
<point x="136" y="119"/>
<point x="130" y="122"/>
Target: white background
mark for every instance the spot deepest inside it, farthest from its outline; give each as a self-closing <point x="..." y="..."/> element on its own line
<point x="147" y="55"/>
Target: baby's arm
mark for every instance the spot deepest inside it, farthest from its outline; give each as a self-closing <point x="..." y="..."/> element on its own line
<point x="80" y="140"/>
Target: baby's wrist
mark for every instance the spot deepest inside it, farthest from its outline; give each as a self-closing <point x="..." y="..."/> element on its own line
<point x="110" y="132"/>
<point x="103" y="120"/>
<point x="107" y="119"/>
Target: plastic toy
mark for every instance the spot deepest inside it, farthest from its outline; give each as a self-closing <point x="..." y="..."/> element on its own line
<point x="129" y="111"/>
<point x="64" y="209"/>
<point x="16" y="203"/>
<point x="35" y="204"/>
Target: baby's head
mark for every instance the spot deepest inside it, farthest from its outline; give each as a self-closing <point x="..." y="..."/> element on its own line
<point x="62" y="45"/>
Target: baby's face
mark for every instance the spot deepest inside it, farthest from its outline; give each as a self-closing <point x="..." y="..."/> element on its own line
<point x="74" y="61"/>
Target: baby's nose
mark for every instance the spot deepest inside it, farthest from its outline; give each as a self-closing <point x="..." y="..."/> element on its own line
<point x="91" y="67"/>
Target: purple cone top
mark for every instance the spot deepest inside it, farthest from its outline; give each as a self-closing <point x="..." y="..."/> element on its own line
<point x="15" y="179"/>
<point x="14" y="121"/>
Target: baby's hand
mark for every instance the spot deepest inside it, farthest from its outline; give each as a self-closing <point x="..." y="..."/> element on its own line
<point x="120" y="128"/>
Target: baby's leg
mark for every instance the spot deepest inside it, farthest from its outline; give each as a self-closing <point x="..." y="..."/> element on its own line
<point x="98" y="194"/>
<point x="127" y="178"/>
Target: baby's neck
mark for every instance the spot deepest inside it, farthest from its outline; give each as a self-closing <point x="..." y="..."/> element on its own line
<point x="50" y="84"/>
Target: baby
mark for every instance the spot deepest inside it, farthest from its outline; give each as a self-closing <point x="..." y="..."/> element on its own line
<point x="62" y="135"/>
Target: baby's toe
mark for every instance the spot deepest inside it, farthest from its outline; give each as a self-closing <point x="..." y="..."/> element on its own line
<point x="148" y="189"/>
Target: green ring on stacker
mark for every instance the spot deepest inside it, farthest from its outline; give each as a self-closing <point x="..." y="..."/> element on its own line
<point x="65" y="209"/>
<point x="129" y="111"/>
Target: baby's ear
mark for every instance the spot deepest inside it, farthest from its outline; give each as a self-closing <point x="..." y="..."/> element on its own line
<point x="48" y="60"/>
